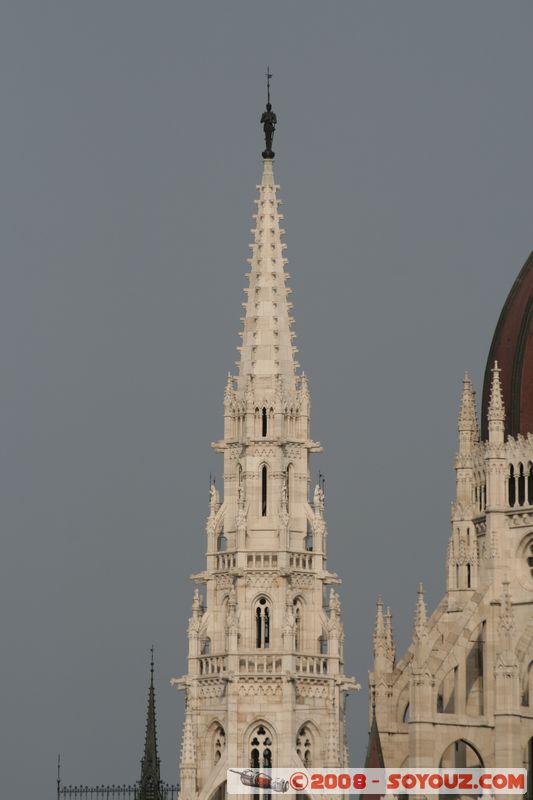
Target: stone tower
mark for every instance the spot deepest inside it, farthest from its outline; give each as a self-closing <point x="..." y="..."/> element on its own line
<point x="462" y="695"/>
<point x="265" y="684"/>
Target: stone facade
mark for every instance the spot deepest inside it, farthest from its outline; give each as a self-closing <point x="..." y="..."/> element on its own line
<point x="462" y="695"/>
<point x="265" y="684"/>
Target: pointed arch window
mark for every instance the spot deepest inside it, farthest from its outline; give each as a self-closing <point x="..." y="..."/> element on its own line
<point x="297" y="624"/>
<point x="521" y="485"/>
<point x="219" y="743"/>
<point x="511" y="486"/>
<point x="530" y="484"/>
<point x="304" y="746"/>
<point x="527" y="694"/>
<point x="308" y="542"/>
<point x="264" y="422"/>
<point x="264" y="490"/>
<point x="262" y="623"/>
<point x="222" y="542"/>
<point x="260" y="749"/>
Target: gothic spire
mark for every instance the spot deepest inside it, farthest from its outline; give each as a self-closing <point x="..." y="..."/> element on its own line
<point x="496" y="410"/>
<point x="150" y="782"/>
<point x="383" y="658"/>
<point x="267" y="353"/>
<point x="467" y="423"/>
<point x="421" y="612"/>
<point x="374" y="754"/>
<point x="390" y="636"/>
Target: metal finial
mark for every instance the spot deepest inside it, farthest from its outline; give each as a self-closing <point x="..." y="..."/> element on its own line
<point x="268" y="121"/>
<point x="268" y="76"/>
<point x="152" y="665"/>
<point x="58" y="775"/>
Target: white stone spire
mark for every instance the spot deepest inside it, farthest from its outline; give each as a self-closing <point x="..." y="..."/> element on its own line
<point x="467" y="423"/>
<point x="267" y="350"/>
<point x="421" y="612"/>
<point x="496" y="409"/>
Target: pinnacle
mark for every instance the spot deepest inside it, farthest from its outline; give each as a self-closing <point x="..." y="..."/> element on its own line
<point x="421" y="612"/>
<point x="266" y="351"/>
<point x="496" y="410"/>
<point x="467" y="414"/>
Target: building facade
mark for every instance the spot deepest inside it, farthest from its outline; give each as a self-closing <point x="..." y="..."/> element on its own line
<point x="265" y="683"/>
<point x="462" y="695"/>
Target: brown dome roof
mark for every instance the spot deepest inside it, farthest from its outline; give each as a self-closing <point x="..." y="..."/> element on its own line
<point x="512" y="348"/>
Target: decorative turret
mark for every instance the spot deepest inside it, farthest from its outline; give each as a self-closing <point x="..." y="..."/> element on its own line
<point x="150" y="782"/>
<point x="383" y="655"/>
<point x="391" y="647"/>
<point x="421" y="613"/>
<point x="495" y="457"/>
<point x="496" y="410"/>
<point x="467" y="423"/>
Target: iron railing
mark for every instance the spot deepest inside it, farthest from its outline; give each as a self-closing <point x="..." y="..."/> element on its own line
<point x="124" y="792"/>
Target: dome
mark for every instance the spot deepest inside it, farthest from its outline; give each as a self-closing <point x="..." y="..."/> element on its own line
<point x="512" y="348"/>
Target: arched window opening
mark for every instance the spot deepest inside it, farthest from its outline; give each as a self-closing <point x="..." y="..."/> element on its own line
<point x="288" y="485"/>
<point x="511" y="486"/>
<point x="460" y="754"/>
<point x="262" y="623"/>
<point x="297" y="624"/>
<point x="530" y="558"/>
<point x="219" y="744"/>
<point x="475" y="674"/>
<point x="264" y="422"/>
<point x="222" y="542"/>
<point x="468" y="576"/>
<point x="527" y="694"/>
<point x="308" y="542"/>
<point x="521" y="485"/>
<point x="264" y="487"/>
<point x="304" y="746"/>
<point x="447" y="693"/>
<point x="260" y="749"/>
<point x="206" y="646"/>
<point x="530" y="484"/>
<point x="323" y="645"/>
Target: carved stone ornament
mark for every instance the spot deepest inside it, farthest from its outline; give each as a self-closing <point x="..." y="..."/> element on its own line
<point x="223" y="581"/>
<point x="262" y="580"/>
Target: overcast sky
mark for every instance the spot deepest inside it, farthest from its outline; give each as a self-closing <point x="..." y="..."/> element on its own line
<point x="130" y="150"/>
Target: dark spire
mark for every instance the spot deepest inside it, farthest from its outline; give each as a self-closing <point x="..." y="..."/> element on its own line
<point x="268" y="121"/>
<point x="374" y="754"/>
<point x="150" y="782"/>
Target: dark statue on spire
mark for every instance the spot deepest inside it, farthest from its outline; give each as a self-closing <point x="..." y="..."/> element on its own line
<point x="268" y="121"/>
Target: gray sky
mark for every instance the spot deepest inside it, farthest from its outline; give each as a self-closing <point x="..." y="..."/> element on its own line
<point x="130" y="149"/>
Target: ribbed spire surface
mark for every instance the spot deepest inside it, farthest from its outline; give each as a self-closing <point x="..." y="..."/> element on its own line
<point x="150" y="777"/>
<point x="496" y="410"/>
<point x="267" y="351"/>
<point x="467" y="415"/>
<point x="421" y="612"/>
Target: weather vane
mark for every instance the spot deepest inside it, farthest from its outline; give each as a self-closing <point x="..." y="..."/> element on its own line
<point x="268" y="121"/>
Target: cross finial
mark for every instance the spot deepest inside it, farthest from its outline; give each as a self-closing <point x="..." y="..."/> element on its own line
<point x="268" y="76"/>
